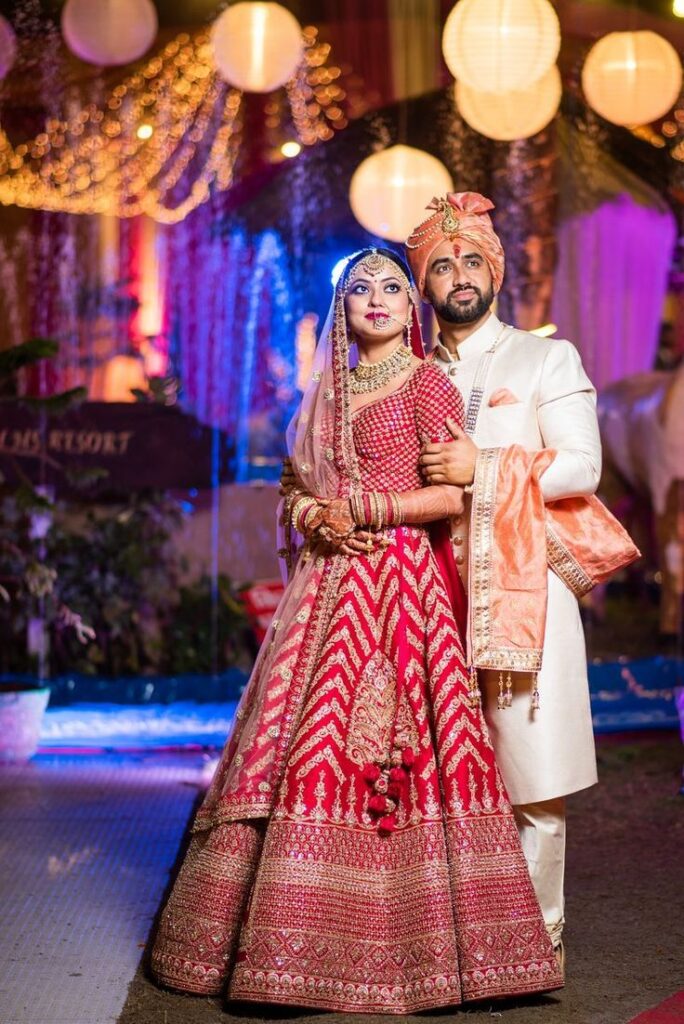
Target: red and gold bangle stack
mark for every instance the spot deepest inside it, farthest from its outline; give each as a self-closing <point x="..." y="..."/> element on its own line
<point x="303" y="511"/>
<point x="376" y="509"/>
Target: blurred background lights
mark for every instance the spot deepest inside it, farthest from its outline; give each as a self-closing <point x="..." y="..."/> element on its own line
<point x="290" y="149"/>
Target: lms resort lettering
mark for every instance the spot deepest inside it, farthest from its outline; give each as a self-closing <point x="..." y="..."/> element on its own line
<point x="27" y="442"/>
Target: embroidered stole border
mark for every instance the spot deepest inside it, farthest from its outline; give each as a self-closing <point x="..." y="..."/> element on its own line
<point x="565" y="566"/>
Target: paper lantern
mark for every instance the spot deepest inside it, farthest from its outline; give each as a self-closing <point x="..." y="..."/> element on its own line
<point x="8" y="46"/>
<point x="496" y="47"/>
<point x="632" y="78"/>
<point x="109" y="32"/>
<point x="257" y="46"/>
<point x="390" y="190"/>
<point x="511" y="115"/>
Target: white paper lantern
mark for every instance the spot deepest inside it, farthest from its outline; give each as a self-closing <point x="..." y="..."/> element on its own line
<point x="632" y="78"/>
<point x="257" y="46"/>
<point x="511" y="115"/>
<point x="8" y="46"/>
<point x="496" y="47"/>
<point x="109" y="32"/>
<point x="390" y="190"/>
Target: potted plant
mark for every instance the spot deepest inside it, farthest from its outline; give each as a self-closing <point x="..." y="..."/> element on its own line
<point x="29" y="580"/>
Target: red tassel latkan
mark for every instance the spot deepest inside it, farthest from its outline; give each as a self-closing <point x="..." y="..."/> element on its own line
<point x="408" y="757"/>
<point x="371" y="772"/>
<point x="377" y="804"/>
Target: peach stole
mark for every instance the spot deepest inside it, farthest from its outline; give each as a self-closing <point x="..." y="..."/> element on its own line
<point x="514" y="537"/>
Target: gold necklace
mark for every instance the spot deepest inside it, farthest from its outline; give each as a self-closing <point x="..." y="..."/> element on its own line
<point x="370" y="376"/>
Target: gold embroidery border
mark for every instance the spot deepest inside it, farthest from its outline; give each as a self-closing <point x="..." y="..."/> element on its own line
<point x="565" y="566"/>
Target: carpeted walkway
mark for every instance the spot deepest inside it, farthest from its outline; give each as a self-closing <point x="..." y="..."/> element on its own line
<point x="625" y="932"/>
<point x="671" y="1011"/>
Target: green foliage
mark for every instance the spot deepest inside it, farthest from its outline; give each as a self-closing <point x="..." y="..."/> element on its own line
<point x="29" y="584"/>
<point x="116" y="570"/>
<point x="27" y="580"/>
<point x="119" y="571"/>
<point x="113" y="568"/>
<point x="28" y="353"/>
<point x="56" y="405"/>
<point x="160" y="391"/>
<point x="208" y="630"/>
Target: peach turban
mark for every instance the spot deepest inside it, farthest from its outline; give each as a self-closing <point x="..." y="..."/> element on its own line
<point x="458" y="217"/>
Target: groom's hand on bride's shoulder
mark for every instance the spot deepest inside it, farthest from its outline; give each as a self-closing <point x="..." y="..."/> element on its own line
<point x="452" y="462"/>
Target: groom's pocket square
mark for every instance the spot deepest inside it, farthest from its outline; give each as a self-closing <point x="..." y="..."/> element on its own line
<point x="502" y="396"/>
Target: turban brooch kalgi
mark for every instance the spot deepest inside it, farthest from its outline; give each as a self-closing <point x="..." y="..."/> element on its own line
<point x="458" y="217"/>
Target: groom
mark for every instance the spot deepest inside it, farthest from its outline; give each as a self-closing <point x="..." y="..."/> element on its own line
<point x="519" y="389"/>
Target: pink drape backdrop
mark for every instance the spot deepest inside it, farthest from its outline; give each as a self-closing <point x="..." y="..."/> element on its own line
<point x="610" y="285"/>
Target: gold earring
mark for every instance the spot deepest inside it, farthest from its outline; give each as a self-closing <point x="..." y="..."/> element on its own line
<point x="409" y="325"/>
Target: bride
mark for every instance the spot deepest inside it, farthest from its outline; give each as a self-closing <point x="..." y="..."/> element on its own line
<point x="356" y="850"/>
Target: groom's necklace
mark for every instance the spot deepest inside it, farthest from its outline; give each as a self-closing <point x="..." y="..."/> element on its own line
<point x="367" y="377"/>
<point x="481" y="372"/>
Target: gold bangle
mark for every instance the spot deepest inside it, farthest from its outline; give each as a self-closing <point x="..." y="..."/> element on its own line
<point x="310" y="514"/>
<point x="377" y="519"/>
<point x="356" y="504"/>
<point x="294" y="506"/>
<point x="374" y="508"/>
<point x="397" y="509"/>
<point x="301" y="509"/>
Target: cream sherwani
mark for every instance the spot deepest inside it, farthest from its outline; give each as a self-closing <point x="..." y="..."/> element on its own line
<point x="547" y="753"/>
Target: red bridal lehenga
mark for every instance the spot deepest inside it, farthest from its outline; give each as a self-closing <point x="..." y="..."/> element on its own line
<point x="294" y="890"/>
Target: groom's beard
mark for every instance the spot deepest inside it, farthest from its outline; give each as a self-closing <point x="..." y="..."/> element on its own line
<point x="455" y="312"/>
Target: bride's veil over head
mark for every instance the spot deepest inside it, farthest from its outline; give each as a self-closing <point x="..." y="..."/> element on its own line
<point x="319" y="438"/>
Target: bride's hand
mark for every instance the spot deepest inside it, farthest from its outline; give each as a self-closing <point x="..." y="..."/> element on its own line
<point x="361" y="542"/>
<point x="335" y="522"/>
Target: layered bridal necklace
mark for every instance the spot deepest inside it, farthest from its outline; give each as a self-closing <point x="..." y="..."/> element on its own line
<point x="367" y="377"/>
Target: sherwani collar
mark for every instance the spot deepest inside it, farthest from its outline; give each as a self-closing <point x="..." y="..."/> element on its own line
<point x="474" y="345"/>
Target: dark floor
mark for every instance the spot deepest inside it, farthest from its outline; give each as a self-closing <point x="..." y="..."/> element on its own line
<point x="86" y="845"/>
<point x="625" y="931"/>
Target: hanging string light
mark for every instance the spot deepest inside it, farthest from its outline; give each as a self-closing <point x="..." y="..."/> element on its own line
<point x="315" y="95"/>
<point x="8" y="47"/>
<point x="161" y="139"/>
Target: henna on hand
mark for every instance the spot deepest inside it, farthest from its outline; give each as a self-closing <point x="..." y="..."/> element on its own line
<point x="337" y="519"/>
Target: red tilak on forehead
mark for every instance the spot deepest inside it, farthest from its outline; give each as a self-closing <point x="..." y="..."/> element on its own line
<point x="457" y="249"/>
